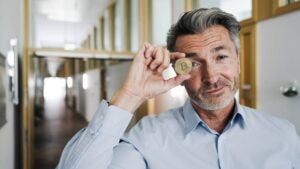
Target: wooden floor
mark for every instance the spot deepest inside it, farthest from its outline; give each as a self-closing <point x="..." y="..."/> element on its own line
<point x="57" y="125"/>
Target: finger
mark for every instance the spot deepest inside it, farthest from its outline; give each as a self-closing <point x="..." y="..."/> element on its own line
<point x="148" y="52"/>
<point x="176" y="55"/>
<point x="147" y="45"/>
<point x="140" y="54"/>
<point x="166" y="61"/>
<point x="158" y="56"/>
<point x="175" y="81"/>
<point x="141" y="50"/>
<point x="148" y="61"/>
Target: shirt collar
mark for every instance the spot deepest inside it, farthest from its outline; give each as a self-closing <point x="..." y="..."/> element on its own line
<point x="192" y="119"/>
<point x="238" y="110"/>
<point x="190" y="116"/>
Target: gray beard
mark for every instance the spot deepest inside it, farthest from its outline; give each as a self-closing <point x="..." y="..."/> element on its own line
<point x="206" y="104"/>
<point x="212" y="106"/>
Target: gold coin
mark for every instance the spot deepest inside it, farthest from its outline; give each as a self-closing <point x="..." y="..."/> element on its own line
<point x="183" y="66"/>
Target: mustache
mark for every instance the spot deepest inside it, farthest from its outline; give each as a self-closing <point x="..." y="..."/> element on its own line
<point x="220" y="83"/>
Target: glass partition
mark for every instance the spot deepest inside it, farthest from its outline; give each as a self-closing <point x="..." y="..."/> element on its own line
<point x="107" y="31"/>
<point x="119" y="23"/>
<point x="285" y="6"/>
<point x="286" y="2"/>
<point x="134" y="27"/>
<point x="241" y="9"/>
<point x="161" y="20"/>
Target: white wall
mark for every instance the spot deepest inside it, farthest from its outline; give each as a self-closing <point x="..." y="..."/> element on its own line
<point x="115" y="75"/>
<point x="11" y="13"/>
<point x="79" y="94"/>
<point x="92" y="94"/>
<point x="87" y="100"/>
<point x="134" y="43"/>
<point x="178" y="7"/>
<point x="120" y="39"/>
<point x="10" y="22"/>
<point x="7" y="137"/>
<point x="278" y="61"/>
<point x="161" y="20"/>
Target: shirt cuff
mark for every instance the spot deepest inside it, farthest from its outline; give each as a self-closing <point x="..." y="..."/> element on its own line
<point x="110" y="120"/>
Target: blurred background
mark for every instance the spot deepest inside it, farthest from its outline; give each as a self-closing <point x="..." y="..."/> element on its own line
<point x="60" y="58"/>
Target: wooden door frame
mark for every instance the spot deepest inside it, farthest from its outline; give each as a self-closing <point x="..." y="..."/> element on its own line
<point x="27" y="90"/>
<point x="248" y="66"/>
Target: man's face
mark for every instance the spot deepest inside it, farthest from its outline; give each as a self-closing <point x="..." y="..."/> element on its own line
<point x="215" y="79"/>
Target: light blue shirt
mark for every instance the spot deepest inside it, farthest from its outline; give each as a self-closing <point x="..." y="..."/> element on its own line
<point x="179" y="139"/>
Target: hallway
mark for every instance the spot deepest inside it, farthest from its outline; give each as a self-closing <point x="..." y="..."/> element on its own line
<point x="56" y="126"/>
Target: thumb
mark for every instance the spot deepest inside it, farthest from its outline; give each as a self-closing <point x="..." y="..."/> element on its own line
<point x="175" y="81"/>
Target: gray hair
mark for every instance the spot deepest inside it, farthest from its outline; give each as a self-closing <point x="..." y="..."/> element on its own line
<point x="196" y="21"/>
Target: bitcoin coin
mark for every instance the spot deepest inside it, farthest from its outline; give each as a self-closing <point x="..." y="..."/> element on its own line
<point x="183" y="66"/>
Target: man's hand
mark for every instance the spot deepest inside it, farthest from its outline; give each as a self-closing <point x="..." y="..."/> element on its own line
<point x="145" y="80"/>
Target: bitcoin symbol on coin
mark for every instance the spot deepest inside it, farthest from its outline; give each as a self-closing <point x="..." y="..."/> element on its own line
<point x="183" y="66"/>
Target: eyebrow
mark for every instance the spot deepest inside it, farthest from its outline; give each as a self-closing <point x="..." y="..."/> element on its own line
<point x="216" y="49"/>
<point x="190" y="55"/>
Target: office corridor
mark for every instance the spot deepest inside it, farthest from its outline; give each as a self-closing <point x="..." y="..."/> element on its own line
<point x="57" y="125"/>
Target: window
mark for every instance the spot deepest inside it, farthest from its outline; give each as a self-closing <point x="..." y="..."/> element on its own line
<point x="241" y="9"/>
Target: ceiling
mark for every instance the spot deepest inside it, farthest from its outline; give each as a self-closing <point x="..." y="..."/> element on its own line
<point x="55" y="23"/>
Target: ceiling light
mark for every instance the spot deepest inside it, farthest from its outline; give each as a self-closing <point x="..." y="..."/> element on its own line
<point x="69" y="82"/>
<point x="11" y="58"/>
<point x="70" y="46"/>
<point x="13" y="42"/>
<point x="85" y="82"/>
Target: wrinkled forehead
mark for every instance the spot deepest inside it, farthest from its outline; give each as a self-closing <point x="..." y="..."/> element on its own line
<point x="210" y="38"/>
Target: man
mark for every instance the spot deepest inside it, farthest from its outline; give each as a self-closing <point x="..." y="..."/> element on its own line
<point x="212" y="130"/>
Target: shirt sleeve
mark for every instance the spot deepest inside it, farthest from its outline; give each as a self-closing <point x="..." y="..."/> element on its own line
<point x="126" y="156"/>
<point x="295" y="149"/>
<point x="93" y="147"/>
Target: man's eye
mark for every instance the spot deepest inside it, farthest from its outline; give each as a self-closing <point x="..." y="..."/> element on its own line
<point x="220" y="57"/>
<point x="195" y="63"/>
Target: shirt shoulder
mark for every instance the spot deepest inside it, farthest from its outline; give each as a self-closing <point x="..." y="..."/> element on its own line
<point x="262" y="120"/>
<point x="155" y="129"/>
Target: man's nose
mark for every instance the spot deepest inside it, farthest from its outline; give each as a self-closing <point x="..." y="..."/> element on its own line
<point x="209" y="73"/>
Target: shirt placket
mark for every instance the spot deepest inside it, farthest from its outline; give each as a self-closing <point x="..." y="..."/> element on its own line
<point x="222" y="151"/>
